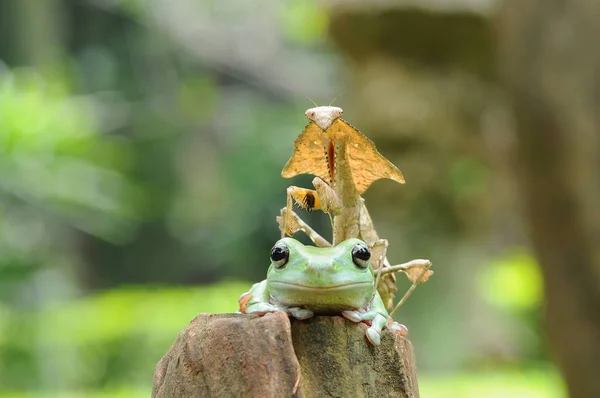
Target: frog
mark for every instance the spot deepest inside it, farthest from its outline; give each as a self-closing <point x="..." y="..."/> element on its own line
<point x="306" y="280"/>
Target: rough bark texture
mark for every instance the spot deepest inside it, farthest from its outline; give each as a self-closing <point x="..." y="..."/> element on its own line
<point x="337" y="361"/>
<point x="550" y="67"/>
<point x="230" y="355"/>
<point x="234" y="355"/>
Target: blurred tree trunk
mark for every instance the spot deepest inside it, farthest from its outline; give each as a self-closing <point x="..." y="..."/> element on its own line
<point x="550" y="66"/>
<point x="39" y="34"/>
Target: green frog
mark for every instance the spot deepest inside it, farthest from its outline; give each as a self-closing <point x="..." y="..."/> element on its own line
<point x="307" y="280"/>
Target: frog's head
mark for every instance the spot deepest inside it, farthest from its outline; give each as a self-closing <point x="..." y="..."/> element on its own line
<point x="329" y="278"/>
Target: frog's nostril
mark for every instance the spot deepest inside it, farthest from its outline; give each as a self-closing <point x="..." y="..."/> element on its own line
<point x="319" y="269"/>
<point x="311" y="269"/>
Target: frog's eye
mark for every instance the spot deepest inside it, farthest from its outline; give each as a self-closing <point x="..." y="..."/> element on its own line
<point x="361" y="255"/>
<point x="280" y="255"/>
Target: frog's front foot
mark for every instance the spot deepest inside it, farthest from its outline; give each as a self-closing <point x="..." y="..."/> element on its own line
<point x="300" y="313"/>
<point x="375" y="321"/>
<point x="261" y="309"/>
<point x="353" y="316"/>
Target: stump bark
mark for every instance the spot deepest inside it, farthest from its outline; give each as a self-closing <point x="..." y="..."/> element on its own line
<point x="236" y="355"/>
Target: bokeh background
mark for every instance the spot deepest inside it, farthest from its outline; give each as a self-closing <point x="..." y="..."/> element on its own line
<point x="141" y="145"/>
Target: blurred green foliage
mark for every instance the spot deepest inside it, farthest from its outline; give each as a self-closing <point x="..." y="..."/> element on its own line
<point x="513" y="282"/>
<point x="536" y="383"/>
<point x="110" y="339"/>
<point x="56" y="174"/>
<point x="303" y="22"/>
<point x="53" y="160"/>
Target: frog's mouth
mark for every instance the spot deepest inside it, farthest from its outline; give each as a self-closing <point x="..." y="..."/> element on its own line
<point x="343" y="286"/>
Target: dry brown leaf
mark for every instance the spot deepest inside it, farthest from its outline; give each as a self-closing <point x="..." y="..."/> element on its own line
<point x="308" y="156"/>
<point x="413" y="273"/>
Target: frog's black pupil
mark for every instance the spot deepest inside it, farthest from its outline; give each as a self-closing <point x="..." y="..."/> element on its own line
<point x="279" y="253"/>
<point x="361" y="252"/>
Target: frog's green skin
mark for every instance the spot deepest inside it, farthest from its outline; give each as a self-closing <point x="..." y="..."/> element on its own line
<point x="321" y="280"/>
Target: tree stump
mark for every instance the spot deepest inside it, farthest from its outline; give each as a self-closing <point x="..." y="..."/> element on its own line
<point x="236" y="355"/>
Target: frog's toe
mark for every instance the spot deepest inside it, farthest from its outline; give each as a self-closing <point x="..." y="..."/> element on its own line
<point x="243" y="301"/>
<point x="300" y="313"/>
<point x="373" y="336"/>
<point x="398" y="327"/>
<point x="353" y="316"/>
